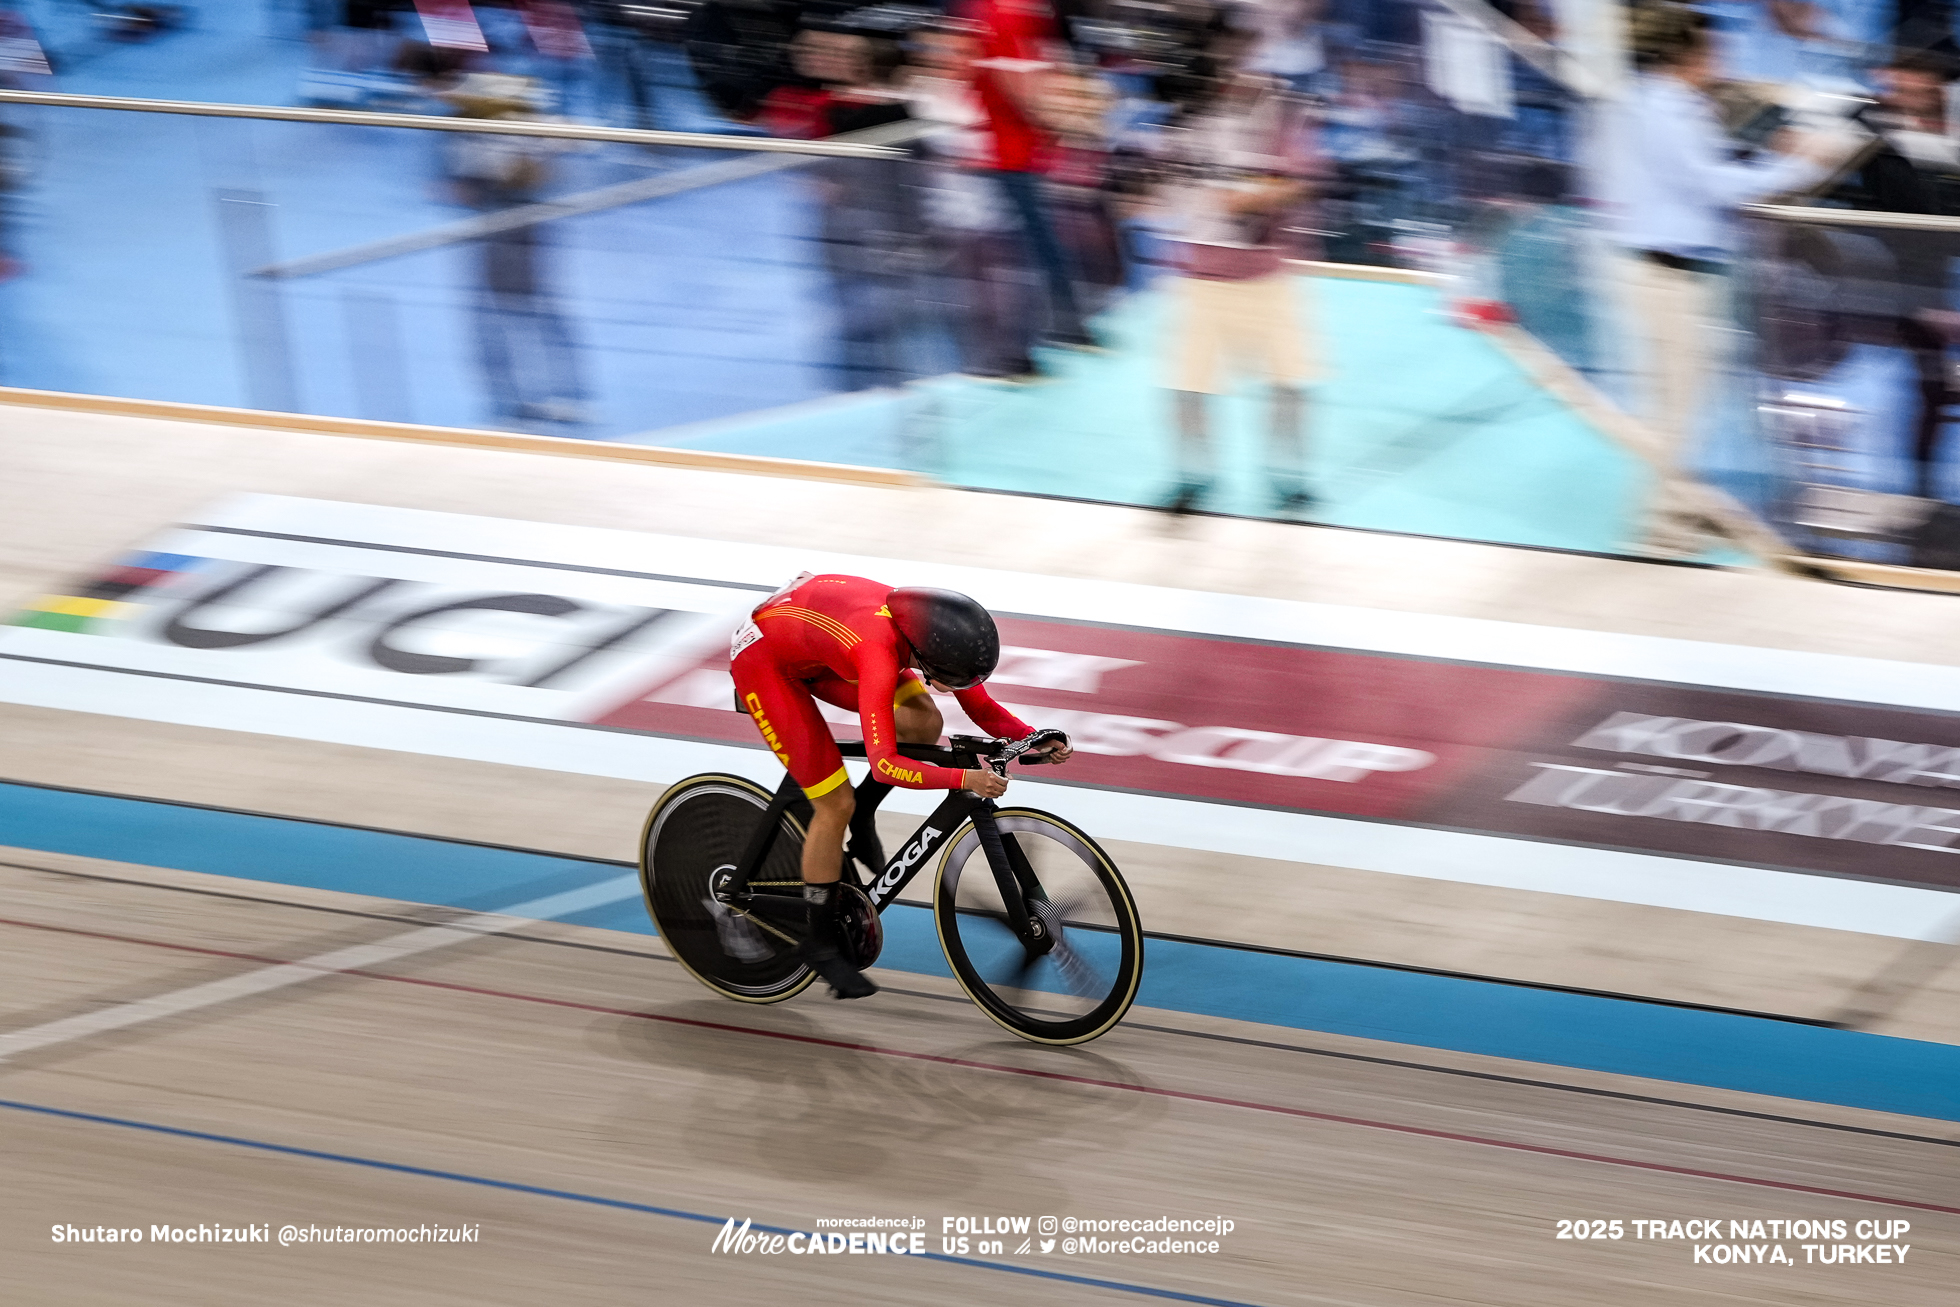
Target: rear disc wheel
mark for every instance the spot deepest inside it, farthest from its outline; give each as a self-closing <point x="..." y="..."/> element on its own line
<point x="696" y="836"/>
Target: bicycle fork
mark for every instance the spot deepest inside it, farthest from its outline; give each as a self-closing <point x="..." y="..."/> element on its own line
<point x="1028" y="911"/>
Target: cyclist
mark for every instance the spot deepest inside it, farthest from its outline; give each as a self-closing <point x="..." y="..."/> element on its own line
<point x="872" y="650"/>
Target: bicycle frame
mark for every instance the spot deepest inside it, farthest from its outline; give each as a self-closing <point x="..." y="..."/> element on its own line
<point x="1012" y="874"/>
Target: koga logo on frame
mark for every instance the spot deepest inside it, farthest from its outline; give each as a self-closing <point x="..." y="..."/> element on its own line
<point x="910" y="854"/>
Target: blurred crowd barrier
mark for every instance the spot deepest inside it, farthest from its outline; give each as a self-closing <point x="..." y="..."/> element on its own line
<point x="1354" y="261"/>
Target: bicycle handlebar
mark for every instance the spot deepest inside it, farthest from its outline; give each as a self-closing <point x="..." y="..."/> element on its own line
<point x="966" y="750"/>
<point x="1020" y="749"/>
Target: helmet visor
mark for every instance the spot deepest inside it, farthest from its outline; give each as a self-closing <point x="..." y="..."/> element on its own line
<point x="949" y="681"/>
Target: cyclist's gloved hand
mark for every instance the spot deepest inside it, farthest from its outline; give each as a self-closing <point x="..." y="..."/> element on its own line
<point x="1047" y="746"/>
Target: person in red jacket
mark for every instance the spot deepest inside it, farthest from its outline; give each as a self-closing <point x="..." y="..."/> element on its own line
<point x="1020" y="47"/>
<point x="873" y="650"/>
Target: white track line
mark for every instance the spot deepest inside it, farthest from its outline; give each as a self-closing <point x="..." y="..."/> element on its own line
<point x="359" y="957"/>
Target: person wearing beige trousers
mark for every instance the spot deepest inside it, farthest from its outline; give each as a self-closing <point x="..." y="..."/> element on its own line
<point x="1675" y="180"/>
<point x="1677" y="313"/>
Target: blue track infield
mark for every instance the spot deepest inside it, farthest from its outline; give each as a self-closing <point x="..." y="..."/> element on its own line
<point x="1625" y="1036"/>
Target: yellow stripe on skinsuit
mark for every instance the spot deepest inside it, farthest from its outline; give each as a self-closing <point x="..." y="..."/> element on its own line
<point x="827" y="784"/>
<point x="830" y="626"/>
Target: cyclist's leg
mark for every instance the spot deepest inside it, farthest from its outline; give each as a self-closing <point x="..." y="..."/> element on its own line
<point x="916" y="716"/>
<point x="787" y="716"/>
<point x="823" y="844"/>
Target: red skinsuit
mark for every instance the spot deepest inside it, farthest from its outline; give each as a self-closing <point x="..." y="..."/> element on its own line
<point x="831" y="638"/>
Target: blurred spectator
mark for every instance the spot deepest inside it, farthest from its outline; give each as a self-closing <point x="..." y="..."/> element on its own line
<point x="633" y="40"/>
<point x="1674" y="186"/>
<point x="502" y="22"/>
<point x="352" y="40"/>
<point x="1290" y="45"/>
<point x="1822" y="43"/>
<point x="1078" y="177"/>
<point x="1373" y="138"/>
<point x="1927" y="27"/>
<point x="23" y="67"/>
<point x="1362" y="112"/>
<point x="1911" y="114"/>
<point x="1019" y="46"/>
<point x="539" y="39"/>
<point x="1395" y="22"/>
<point x="530" y="363"/>
<point x="739" y="50"/>
<point x="433" y="70"/>
<point x="1238" y="160"/>
<point x="869" y="228"/>
<point x="1540" y="128"/>
<point x="994" y="305"/>
<point x="13" y="176"/>
<point x="1915" y="168"/>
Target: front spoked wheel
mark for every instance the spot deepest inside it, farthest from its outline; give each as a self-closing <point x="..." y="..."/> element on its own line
<point x="1078" y="973"/>
<point x="698" y="832"/>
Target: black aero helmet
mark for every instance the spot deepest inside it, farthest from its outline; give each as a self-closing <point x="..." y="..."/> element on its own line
<point x="953" y="636"/>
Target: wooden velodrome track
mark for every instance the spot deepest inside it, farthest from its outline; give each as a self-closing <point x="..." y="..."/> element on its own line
<point x="587" y="1104"/>
<point x="593" y="1116"/>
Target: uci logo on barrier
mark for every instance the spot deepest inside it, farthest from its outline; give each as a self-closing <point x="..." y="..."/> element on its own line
<point x="405" y="626"/>
<point x="395" y="625"/>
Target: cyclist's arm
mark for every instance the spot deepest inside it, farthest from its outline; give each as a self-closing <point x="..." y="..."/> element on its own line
<point x="990" y="716"/>
<point x="877" y="683"/>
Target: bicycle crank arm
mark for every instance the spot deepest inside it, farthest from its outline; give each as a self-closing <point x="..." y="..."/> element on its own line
<point x="791" y="909"/>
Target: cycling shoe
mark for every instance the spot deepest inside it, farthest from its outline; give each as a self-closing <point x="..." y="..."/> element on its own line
<point x="845" y="980"/>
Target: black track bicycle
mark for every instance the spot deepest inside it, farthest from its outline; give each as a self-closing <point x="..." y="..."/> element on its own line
<point x="1034" y="918"/>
